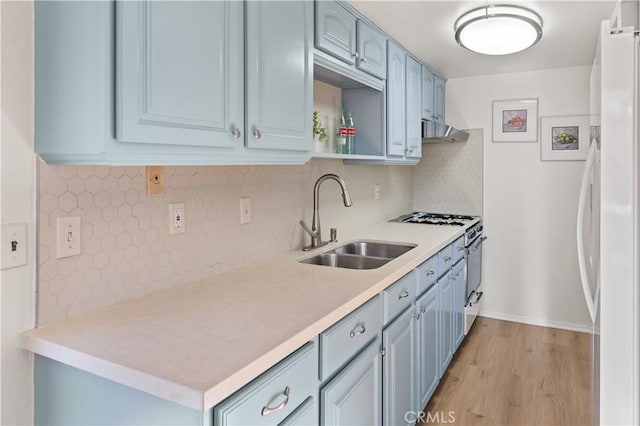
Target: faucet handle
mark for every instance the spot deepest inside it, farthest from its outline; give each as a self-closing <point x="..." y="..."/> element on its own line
<point x="333" y="235"/>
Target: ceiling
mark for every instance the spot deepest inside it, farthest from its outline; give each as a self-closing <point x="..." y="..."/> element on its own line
<point x="425" y="28"/>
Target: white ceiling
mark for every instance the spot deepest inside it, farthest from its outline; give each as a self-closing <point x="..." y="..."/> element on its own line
<point x="425" y="28"/>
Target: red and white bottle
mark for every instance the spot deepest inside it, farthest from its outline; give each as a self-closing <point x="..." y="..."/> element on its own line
<point x="341" y="134"/>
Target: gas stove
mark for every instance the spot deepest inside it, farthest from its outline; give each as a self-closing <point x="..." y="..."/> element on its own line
<point x="436" y="219"/>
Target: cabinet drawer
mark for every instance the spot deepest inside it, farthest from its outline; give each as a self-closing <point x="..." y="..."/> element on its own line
<point x="445" y="258"/>
<point x="399" y="296"/>
<point x="458" y="250"/>
<point x="275" y="395"/>
<point x="427" y="274"/>
<point x="342" y="341"/>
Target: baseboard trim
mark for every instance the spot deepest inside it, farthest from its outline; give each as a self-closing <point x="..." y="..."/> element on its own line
<point x="536" y="321"/>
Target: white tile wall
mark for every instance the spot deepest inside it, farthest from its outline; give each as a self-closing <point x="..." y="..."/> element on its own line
<point x="126" y="247"/>
<point x="448" y="179"/>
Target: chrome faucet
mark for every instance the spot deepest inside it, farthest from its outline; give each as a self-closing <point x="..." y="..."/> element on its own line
<point x="315" y="231"/>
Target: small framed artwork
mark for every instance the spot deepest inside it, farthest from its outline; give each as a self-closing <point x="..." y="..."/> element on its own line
<point x="564" y="138"/>
<point x="515" y="120"/>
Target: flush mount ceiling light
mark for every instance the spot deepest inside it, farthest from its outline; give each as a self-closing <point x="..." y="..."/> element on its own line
<point x="499" y="29"/>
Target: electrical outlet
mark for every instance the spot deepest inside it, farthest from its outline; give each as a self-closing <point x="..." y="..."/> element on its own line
<point x="245" y="210"/>
<point x="177" y="218"/>
<point x="14" y="245"/>
<point x="376" y="192"/>
<point x="69" y="236"/>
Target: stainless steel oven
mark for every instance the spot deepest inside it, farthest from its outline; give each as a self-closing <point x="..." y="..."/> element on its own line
<point x="473" y="243"/>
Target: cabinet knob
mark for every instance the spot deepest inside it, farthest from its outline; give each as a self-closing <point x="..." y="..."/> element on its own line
<point x="447" y="258"/>
<point x="430" y="272"/>
<point x="354" y="55"/>
<point x="417" y="316"/>
<point x="268" y="410"/>
<point x="364" y="59"/>
<point x="236" y="133"/>
<point x="257" y="134"/>
<point x="461" y="248"/>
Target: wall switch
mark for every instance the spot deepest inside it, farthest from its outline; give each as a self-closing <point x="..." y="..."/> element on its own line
<point x="376" y="191"/>
<point x="245" y="210"/>
<point x="14" y="245"/>
<point x="155" y="181"/>
<point x="177" y="218"/>
<point x="69" y="236"/>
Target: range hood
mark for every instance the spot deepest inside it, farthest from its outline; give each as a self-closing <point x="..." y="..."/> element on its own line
<point x="433" y="132"/>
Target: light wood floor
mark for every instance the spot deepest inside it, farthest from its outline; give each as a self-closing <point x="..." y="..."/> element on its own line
<point x="508" y="373"/>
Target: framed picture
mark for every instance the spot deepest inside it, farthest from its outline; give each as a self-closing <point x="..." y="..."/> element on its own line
<point x="564" y="138"/>
<point x="515" y="120"/>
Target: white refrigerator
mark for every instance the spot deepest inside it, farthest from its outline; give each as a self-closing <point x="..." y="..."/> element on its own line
<point x="607" y="226"/>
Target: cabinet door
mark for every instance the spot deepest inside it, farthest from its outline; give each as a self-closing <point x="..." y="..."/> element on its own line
<point x="354" y="396"/>
<point x="396" y="108"/>
<point x="414" y="106"/>
<point x="427" y="94"/>
<point x="438" y="100"/>
<point x="446" y="321"/>
<point x="336" y="31"/>
<point x="372" y="51"/>
<point x="279" y="75"/>
<point x="179" y="73"/>
<point x="427" y="347"/>
<point x="399" y="369"/>
<point x="460" y="296"/>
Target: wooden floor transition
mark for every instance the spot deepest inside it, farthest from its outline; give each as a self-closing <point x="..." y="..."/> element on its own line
<point x="507" y="373"/>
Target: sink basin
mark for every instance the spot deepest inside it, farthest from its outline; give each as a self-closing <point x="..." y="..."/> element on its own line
<point x="349" y="261"/>
<point x="360" y="255"/>
<point x="375" y="249"/>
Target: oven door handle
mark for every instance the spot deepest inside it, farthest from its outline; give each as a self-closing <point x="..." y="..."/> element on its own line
<point x="477" y="246"/>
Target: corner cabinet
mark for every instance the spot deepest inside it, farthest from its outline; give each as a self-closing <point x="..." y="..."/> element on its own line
<point x="279" y="75"/>
<point x="147" y="82"/>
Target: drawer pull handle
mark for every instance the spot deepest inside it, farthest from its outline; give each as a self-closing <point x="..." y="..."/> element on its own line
<point x="461" y="248"/>
<point x="447" y="258"/>
<point x="431" y="272"/>
<point x="423" y="311"/>
<point x="404" y="294"/>
<point x="268" y="410"/>
<point x="360" y="329"/>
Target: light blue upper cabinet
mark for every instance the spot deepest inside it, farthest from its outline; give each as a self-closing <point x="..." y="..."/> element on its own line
<point x="414" y="106"/>
<point x="336" y="31"/>
<point x="372" y="50"/>
<point x="279" y="75"/>
<point x="399" y="370"/>
<point x="396" y="106"/>
<point x="438" y="99"/>
<point x="179" y="73"/>
<point x="427" y="93"/>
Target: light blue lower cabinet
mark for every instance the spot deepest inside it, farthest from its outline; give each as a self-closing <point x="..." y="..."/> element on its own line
<point x="275" y="395"/>
<point x="427" y="348"/>
<point x="399" y="370"/>
<point x="354" y="395"/>
<point x="446" y="321"/>
<point x="68" y="396"/>
<point x="306" y="414"/>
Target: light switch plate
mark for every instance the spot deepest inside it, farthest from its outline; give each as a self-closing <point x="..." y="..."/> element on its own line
<point x="13" y="252"/>
<point x="177" y="218"/>
<point x="68" y="236"/>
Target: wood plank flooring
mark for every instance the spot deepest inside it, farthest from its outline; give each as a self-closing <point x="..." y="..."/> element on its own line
<point x="508" y="373"/>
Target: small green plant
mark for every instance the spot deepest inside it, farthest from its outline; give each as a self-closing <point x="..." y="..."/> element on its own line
<point x="318" y="130"/>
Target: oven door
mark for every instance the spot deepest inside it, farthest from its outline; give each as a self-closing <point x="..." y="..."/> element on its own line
<point x="474" y="266"/>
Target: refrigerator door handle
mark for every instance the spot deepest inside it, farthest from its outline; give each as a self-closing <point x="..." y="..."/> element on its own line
<point x="582" y="261"/>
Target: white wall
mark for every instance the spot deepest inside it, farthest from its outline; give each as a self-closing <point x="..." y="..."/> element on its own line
<point x="530" y="262"/>
<point x="17" y="172"/>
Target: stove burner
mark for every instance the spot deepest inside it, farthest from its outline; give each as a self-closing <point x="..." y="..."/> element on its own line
<point x="435" y="219"/>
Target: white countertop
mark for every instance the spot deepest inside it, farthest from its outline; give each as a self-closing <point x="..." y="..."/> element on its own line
<point x="198" y="343"/>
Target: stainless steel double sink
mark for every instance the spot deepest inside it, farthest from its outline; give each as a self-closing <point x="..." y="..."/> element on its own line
<point x="360" y="254"/>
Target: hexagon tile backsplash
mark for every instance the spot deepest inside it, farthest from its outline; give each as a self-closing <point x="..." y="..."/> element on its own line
<point x="126" y="247"/>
